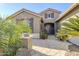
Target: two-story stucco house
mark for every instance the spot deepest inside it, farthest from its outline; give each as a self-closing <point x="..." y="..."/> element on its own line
<point x="43" y="21"/>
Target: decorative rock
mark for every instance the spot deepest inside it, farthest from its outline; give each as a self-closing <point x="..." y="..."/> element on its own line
<point x="1" y="51"/>
<point x="23" y="52"/>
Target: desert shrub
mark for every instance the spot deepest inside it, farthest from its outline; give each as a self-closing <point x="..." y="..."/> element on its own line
<point x="62" y="35"/>
<point x="43" y="35"/>
<point x="10" y="35"/>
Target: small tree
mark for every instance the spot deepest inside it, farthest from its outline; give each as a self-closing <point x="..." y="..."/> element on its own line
<point x="10" y="35"/>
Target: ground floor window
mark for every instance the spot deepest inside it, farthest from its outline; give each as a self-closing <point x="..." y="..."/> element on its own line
<point x="30" y="21"/>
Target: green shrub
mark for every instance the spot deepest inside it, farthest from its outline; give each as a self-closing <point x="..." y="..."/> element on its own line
<point x="62" y="35"/>
<point x="43" y="35"/>
<point x="10" y="35"/>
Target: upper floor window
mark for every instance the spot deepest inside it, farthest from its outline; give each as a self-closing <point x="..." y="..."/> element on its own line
<point x="49" y="15"/>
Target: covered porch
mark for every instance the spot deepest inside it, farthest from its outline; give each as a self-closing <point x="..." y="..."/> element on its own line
<point x="49" y="28"/>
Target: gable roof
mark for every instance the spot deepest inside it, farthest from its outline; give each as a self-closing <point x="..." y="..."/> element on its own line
<point x="72" y="7"/>
<point x="51" y="10"/>
<point x="24" y="10"/>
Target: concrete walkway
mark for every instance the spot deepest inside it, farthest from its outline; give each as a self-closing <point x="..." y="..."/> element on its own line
<point x="49" y="47"/>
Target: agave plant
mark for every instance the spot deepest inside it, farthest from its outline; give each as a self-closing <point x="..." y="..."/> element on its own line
<point x="10" y="35"/>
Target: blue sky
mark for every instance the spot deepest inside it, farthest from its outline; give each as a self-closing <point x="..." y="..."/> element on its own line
<point x="8" y="8"/>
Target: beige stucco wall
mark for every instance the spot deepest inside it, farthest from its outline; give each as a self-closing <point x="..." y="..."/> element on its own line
<point x="56" y="15"/>
<point x="26" y="16"/>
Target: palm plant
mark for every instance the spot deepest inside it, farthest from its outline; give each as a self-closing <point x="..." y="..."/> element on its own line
<point x="70" y="27"/>
<point x="10" y="35"/>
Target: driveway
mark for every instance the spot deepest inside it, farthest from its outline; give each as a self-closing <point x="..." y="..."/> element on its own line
<point x="49" y="47"/>
<point x="75" y="40"/>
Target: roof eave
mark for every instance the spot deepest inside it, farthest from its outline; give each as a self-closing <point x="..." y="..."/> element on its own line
<point x="24" y="10"/>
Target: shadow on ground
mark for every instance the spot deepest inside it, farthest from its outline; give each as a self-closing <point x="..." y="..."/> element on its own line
<point x="74" y="51"/>
<point x="37" y="53"/>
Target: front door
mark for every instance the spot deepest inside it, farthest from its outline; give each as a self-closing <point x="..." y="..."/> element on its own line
<point x="49" y="27"/>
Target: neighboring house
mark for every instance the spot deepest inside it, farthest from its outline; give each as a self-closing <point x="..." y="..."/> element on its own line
<point x="43" y="21"/>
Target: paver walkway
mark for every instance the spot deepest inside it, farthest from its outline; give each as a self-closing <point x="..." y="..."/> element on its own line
<point x="49" y="47"/>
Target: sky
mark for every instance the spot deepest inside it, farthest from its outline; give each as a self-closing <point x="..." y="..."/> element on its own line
<point x="7" y="9"/>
